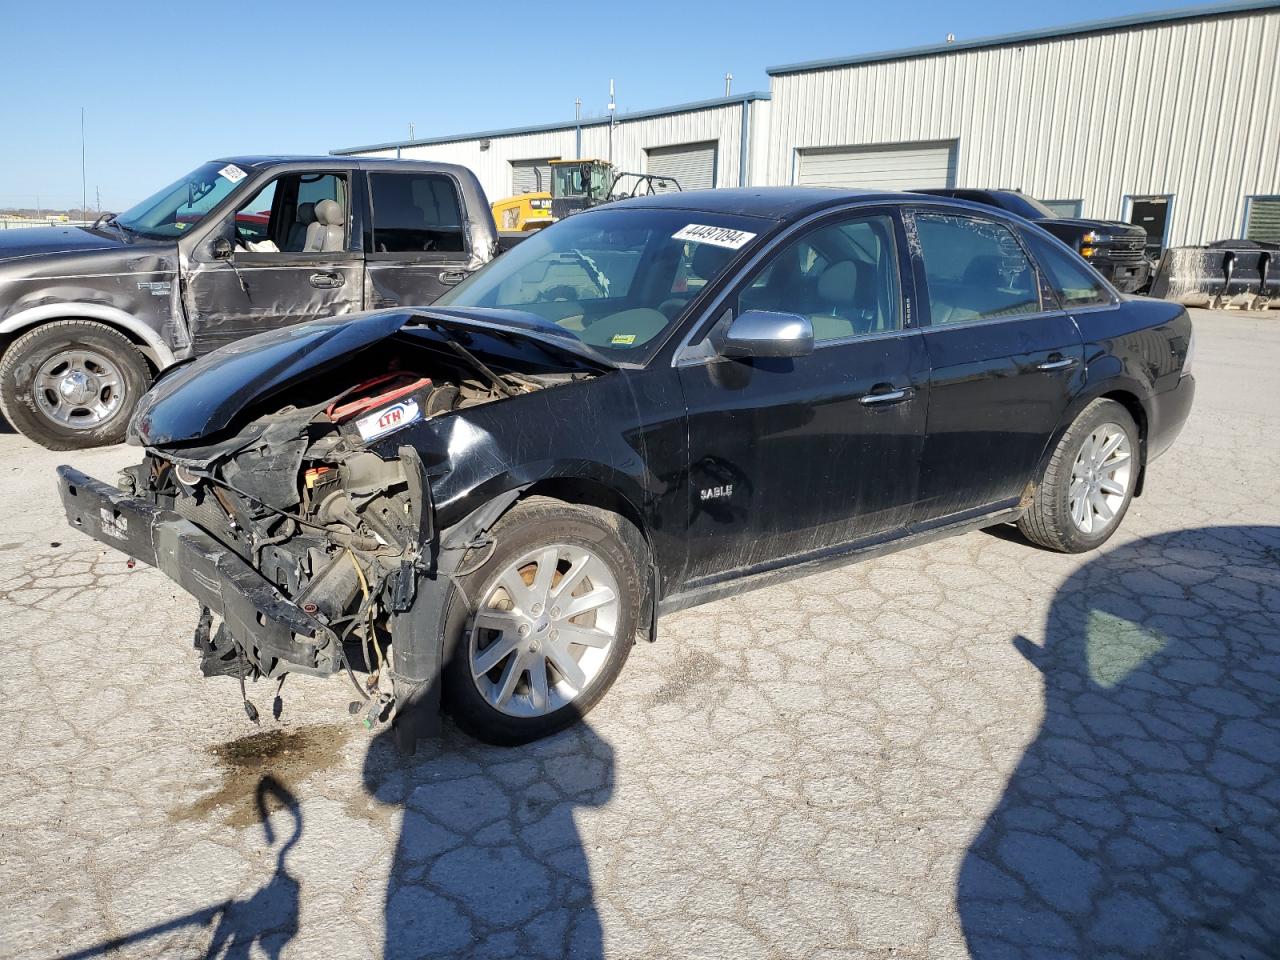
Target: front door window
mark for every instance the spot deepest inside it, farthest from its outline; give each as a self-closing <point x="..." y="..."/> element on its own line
<point x="295" y="214"/>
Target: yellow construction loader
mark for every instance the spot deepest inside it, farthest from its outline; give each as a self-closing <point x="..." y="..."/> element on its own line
<point x="575" y="186"/>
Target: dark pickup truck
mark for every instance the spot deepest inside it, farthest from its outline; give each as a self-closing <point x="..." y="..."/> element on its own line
<point x="1112" y="247"/>
<point x="241" y="245"/>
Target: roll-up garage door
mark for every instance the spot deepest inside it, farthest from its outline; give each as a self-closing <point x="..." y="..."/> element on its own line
<point x="530" y="176"/>
<point x="895" y="166"/>
<point x="692" y="164"/>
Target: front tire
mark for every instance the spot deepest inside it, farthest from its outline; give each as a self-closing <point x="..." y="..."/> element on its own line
<point x="553" y="616"/>
<point x="1089" y="482"/>
<point x="72" y="384"/>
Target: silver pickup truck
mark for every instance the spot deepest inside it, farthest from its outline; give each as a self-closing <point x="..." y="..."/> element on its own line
<point x="89" y="315"/>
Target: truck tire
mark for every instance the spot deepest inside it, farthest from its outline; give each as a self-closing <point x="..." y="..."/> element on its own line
<point x="72" y="384"/>
<point x="522" y="664"/>
<point x="1089" y="482"/>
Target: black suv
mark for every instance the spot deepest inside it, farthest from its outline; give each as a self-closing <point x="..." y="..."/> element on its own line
<point x="1112" y="247"/>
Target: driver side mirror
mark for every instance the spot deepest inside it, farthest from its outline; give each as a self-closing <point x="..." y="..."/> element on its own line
<point x="221" y="249"/>
<point x="764" y="333"/>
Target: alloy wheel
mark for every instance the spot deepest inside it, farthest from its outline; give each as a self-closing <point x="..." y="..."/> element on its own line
<point x="545" y="630"/>
<point x="80" y="389"/>
<point x="1100" y="479"/>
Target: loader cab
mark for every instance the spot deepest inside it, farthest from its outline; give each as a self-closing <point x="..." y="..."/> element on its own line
<point x="578" y="184"/>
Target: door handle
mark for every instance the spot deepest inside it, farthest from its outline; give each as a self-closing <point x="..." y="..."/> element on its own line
<point x="326" y="280"/>
<point x="451" y="277"/>
<point x="888" y="396"/>
<point x="1059" y="364"/>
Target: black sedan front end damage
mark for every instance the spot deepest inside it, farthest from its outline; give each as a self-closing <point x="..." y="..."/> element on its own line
<point x="292" y="511"/>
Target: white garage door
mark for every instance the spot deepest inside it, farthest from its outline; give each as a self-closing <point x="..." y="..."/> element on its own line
<point x="530" y="176"/>
<point x="895" y="166"/>
<point x="692" y="164"/>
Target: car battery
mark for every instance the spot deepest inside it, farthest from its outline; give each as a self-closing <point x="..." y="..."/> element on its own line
<point x="381" y="406"/>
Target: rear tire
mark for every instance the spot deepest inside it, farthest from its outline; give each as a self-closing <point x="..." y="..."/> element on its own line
<point x="1089" y="482"/>
<point x="549" y="679"/>
<point x="72" y="384"/>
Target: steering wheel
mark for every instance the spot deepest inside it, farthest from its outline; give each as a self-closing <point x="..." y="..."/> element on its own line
<point x="241" y="240"/>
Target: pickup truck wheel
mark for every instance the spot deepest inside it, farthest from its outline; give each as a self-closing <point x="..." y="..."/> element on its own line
<point x="72" y="384"/>
<point x="554" y="612"/>
<point x="1089" y="483"/>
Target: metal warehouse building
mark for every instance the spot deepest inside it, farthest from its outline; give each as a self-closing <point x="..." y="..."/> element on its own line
<point x="704" y="144"/>
<point x="1170" y="120"/>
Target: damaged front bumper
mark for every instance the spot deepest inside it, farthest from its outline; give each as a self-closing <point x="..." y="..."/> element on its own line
<point x="272" y="632"/>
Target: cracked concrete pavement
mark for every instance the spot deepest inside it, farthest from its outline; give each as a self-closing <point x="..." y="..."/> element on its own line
<point x="969" y="748"/>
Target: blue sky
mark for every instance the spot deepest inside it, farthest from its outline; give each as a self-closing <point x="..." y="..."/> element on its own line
<point x="168" y="85"/>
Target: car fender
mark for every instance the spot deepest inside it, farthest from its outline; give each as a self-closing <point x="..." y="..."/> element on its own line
<point x="153" y="346"/>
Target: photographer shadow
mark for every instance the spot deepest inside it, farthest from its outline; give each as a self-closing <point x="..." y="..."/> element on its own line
<point x="489" y="861"/>
<point x="1144" y="819"/>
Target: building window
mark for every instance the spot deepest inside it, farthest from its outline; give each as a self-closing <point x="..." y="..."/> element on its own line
<point x="1065" y="208"/>
<point x="1262" y="219"/>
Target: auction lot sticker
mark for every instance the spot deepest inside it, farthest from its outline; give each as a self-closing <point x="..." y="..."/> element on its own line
<point x="232" y="173"/>
<point x="716" y="236"/>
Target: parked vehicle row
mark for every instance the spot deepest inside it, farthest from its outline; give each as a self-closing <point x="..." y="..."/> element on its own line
<point x="643" y="407"/>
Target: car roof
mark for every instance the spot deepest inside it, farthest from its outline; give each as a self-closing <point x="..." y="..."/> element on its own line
<point x="781" y="203"/>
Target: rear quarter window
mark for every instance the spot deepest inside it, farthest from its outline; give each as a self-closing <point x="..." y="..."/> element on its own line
<point x="1073" y="281"/>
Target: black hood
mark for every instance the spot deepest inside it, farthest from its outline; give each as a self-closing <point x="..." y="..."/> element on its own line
<point x="1109" y="226"/>
<point x="202" y="397"/>
<point x="34" y="241"/>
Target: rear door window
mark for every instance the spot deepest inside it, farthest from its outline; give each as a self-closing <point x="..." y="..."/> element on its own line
<point x="1073" y="281"/>
<point x="415" y="213"/>
<point x="975" y="269"/>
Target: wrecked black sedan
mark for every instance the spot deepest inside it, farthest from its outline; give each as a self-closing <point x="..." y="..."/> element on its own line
<point x="641" y="408"/>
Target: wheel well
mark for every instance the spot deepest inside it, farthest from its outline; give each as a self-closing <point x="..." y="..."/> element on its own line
<point x="590" y="493"/>
<point x="1139" y="414"/>
<point x="144" y="348"/>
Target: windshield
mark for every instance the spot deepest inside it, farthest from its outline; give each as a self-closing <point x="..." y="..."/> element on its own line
<point x="616" y="279"/>
<point x="1029" y="207"/>
<point x="183" y="204"/>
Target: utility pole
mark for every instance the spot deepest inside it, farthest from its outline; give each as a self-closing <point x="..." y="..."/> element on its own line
<point x="97" y="198"/>
<point x="577" y="120"/>
<point x="84" y="193"/>
<point x="612" y="120"/>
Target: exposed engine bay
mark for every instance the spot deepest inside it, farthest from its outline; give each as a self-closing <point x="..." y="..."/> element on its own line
<point x="296" y="492"/>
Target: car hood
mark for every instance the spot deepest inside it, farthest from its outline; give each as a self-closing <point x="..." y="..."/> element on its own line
<point x="1110" y="226"/>
<point x="201" y="397"/>
<point x="35" y="241"/>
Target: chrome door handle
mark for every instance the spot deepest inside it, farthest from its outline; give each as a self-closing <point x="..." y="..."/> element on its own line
<point x="326" y="280"/>
<point x="451" y="277"/>
<point x="890" y="396"/>
<point x="1057" y="364"/>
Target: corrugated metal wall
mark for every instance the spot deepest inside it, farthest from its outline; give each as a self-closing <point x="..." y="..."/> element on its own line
<point x="1185" y="108"/>
<point x="631" y="138"/>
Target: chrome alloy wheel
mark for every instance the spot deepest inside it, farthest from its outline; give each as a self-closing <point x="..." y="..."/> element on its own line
<point x="544" y="631"/>
<point x="1100" y="478"/>
<point x="78" y="388"/>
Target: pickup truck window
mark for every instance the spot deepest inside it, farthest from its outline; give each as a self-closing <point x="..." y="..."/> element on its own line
<point x="975" y="269"/>
<point x="1075" y="283"/>
<point x="295" y="213"/>
<point x="415" y="213"/>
